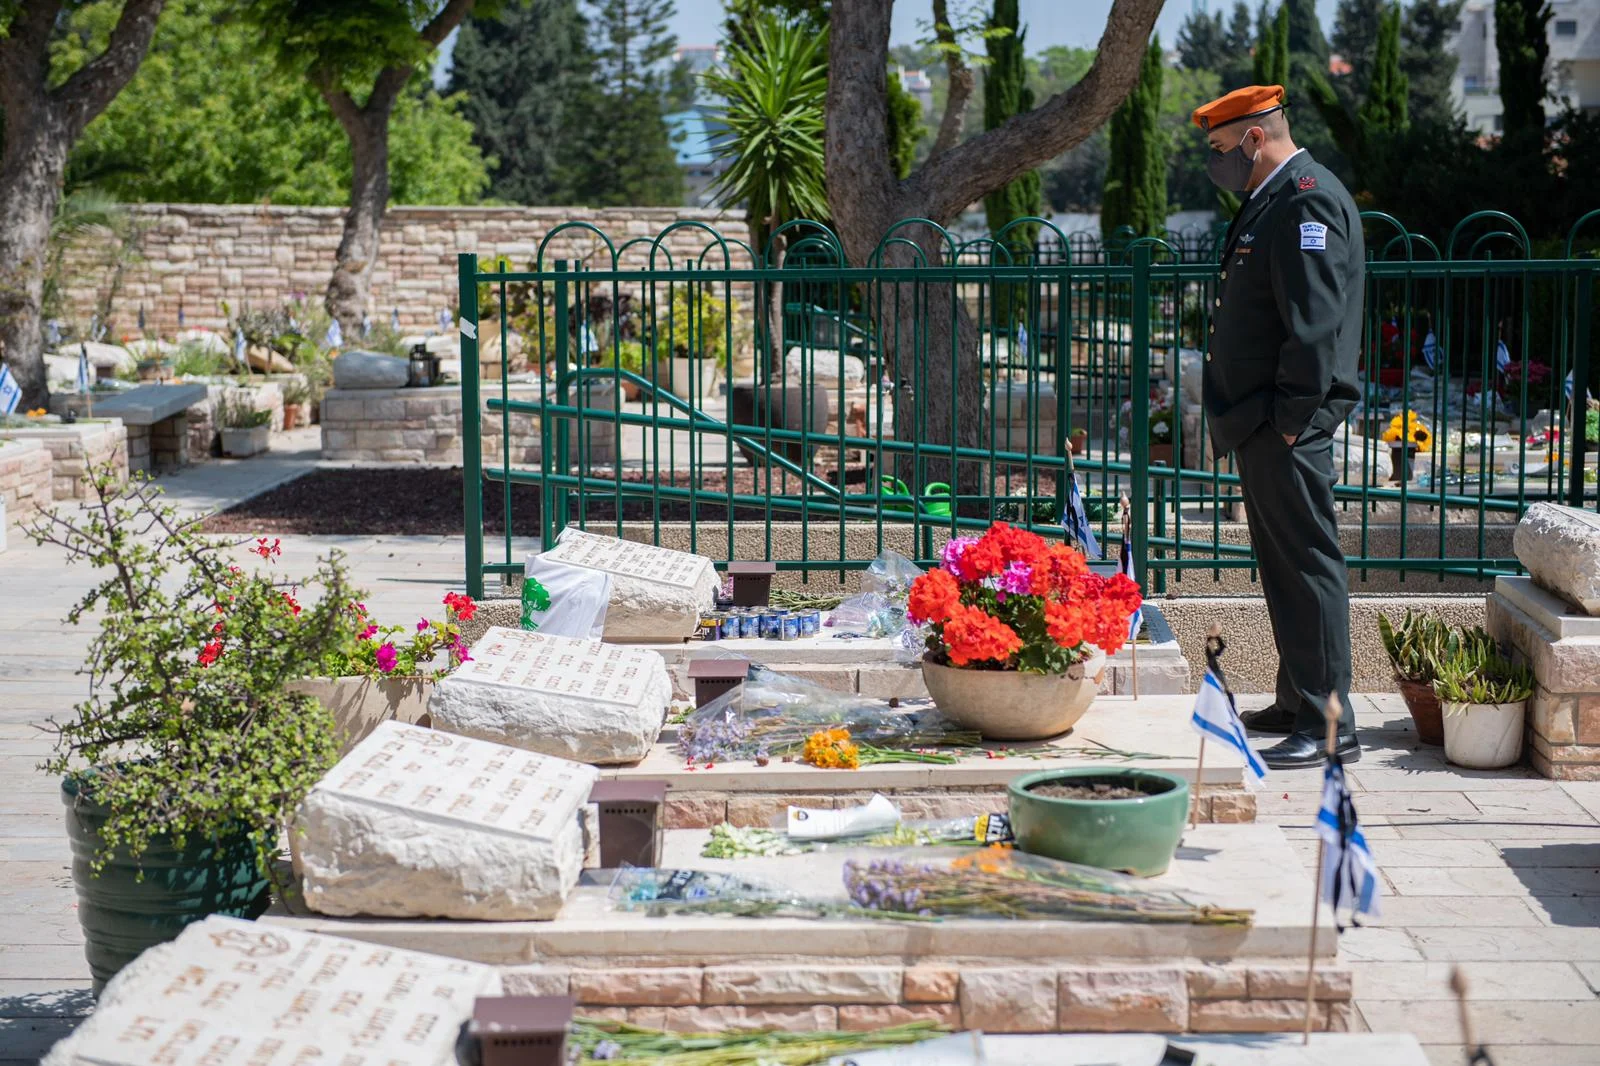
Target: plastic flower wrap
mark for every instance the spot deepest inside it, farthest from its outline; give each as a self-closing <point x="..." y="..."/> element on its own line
<point x="1008" y="600"/>
<point x="659" y="892"/>
<point x="879" y="609"/>
<point x="773" y="714"/>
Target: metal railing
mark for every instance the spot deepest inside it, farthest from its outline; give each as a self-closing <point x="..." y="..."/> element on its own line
<point x="792" y="406"/>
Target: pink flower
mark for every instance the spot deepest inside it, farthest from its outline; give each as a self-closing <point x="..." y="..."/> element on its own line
<point x="367" y="633"/>
<point x="387" y="658"/>
<point x="1015" y="580"/>
<point x="422" y="626"/>
<point x="950" y="557"/>
<point x="458" y="652"/>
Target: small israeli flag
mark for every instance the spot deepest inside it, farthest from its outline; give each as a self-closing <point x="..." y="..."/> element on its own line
<point x="141" y="318"/>
<point x="366" y="325"/>
<point x="52" y="332"/>
<point x="1502" y="357"/>
<point x="1125" y="566"/>
<point x="10" y="391"/>
<point x="84" y="377"/>
<point x="1349" y="873"/>
<point x="1022" y="341"/>
<point x="394" y="320"/>
<point x="238" y="347"/>
<point x="180" y="312"/>
<point x="1077" y="522"/>
<point x="444" y="320"/>
<point x="334" y="337"/>
<point x="1216" y="717"/>
<point x="1430" y="350"/>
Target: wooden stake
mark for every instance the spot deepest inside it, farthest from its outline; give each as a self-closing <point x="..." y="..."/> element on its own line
<point x="1212" y="634"/>
<point x="1331" y="712"/>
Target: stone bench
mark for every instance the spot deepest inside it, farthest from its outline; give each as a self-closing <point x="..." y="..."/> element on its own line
<point x="709" y="972"/>
<point x="420" y="425"/>
<point x="157" y="421"/>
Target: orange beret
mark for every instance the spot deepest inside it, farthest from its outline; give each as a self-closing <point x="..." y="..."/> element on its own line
<point x="1252" y="101"/>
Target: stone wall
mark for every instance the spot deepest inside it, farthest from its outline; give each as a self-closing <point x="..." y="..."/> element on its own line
<point x="26" y="482"/>
<point x="195" y="256"/>
<point x="73" y="449"/>
<point x="1561" y="644"/>
<point x="418" y="426"/>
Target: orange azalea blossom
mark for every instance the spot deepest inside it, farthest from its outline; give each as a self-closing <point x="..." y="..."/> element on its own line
<point x="933" y="596"/>
<point x="994" y="859"/>
<point x="973" y="635"/>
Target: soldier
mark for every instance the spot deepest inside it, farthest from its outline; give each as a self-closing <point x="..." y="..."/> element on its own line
<point x="1279" y="378"/>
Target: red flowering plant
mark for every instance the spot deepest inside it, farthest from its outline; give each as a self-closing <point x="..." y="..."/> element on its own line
<point x="1010" y="600"/>
<point x="399" y="651"/>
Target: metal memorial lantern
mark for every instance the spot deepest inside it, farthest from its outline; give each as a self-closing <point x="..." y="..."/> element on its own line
<point x="752" y="583"/>
<point x="713" y="677"/>
<point x="424" y="368"/>
<point x="519" y="1031"/>
<point x="630" y="821"/>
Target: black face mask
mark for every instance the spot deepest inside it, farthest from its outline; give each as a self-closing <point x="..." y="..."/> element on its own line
<point x="1231" y="170"/>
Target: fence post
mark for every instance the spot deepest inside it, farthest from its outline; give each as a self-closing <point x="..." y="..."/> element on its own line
<point x="1577" y="431"/>
<point x="471" y="424"/>
<point x="1139" y="423"/>
<point x="554" y="518"/>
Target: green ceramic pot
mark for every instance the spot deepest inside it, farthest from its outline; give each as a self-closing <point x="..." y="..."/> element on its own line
<point x="122" y="915"/>
<point x="1135" y="836"/>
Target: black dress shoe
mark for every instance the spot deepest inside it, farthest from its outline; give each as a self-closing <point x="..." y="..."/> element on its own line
<point x="1300" y="750"/>
<point x="1272" y="719"/>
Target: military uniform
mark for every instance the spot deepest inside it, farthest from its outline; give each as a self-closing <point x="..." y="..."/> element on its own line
<point x="1281" y="361"/>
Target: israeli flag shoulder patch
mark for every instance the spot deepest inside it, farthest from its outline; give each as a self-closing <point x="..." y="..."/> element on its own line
<point x="1313" y="237"/>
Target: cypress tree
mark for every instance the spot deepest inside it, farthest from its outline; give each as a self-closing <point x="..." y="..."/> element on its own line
<point x="1428" y="60"/>
<point x="1006" y="93"/>
<point x="1136" y="176"/>
<point x="520" y="72"/>
<point x="1272" y="51"/>
<point x="1520" y="39"/>
<point x="1384" y="110"/>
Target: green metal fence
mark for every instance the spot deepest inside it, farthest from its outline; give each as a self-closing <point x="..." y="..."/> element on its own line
<point x="791" y="405"/>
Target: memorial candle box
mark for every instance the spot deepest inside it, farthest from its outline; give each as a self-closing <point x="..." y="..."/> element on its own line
<point x="418" y="823"/>
<point x="576" y="699"/>
<point x="228" y="992"/>
<point x="657" y="594"/>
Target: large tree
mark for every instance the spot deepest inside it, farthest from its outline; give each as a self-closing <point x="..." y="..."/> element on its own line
<point x="1005" y="95"/>
<point x="359" y="55"/>
<point x="1202" y="41"/>
<point x="520" y="71"/>
<point x="1521" y="29"/>
<point x="1428" y="58"/>
<point x="1272" y="49"/>
<point x="935" y="345"/>
<point x="1136" y="180"/>
<point x="1355" y="38"/>
<point x="43" y="116"/>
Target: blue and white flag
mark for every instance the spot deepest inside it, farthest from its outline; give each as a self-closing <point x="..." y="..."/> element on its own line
<point x="1022" y="341"/>
<point x="1430" y="350"/>
<point x="1125" y="566"/>
<point x="1216" y="718"/>
<point x="10" y="391"/>
<point x="1349" y="873"/>
<point x="444" y="320"/>
<point x="52" y="332"/>
<point x="394" y="320"/>
<point x="141" y="318"/>
<point x="180" y="312"/>
<point x="334" y="337"/>
<point x="1502" y="357"/>
<point x="84" y="376"/>
<point x="366" y="325"/>
<point x="238" y="347"/>
<point x="1076" y="522"/>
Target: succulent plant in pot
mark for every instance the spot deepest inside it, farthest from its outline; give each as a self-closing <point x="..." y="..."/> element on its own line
<point x="1415" y="648"/>
<point x="1484" y="697"/>
<point x="182" y="764"/>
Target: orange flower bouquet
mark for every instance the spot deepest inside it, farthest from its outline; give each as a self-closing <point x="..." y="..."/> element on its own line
<point x="1009" y="600"/>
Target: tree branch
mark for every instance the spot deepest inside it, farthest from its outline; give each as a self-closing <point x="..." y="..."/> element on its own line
<point x="25" y="53"/>
<point x="342" y="104"/>
<point x="446" y="20"/>
<point x="960" y="78"/>
<point x="384" y="93"/>
<point x="89" y="90"/>
<point x="947" y="183"/>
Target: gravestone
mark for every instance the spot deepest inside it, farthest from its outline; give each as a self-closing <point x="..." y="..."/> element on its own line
<point x="1560" y="546"/>
<point x="575" y="699"/>
<point x="656" y="593"/>
<point x="357" y="369"/>
<point x="234" y="993"/>
<point x="418" y="823"/>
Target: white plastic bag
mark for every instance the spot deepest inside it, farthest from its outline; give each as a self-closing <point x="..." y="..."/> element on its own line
<point x="562" y="600"/>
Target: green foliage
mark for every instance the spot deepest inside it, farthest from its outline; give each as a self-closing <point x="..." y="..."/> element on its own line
<point x="106" y="241"/>
<point x="1478" y="673"/>
<point x="1182" y="91"/>
<point x="1429" y="59"/>
<point x="1136" y="178"/>
<point x="1202" y="41"/>
<point x="1521" y="40"/>
<point x="1356" y="28"/>
<point x="518" y="74"/>
<point x="905" y="124"/>
<point x="693" y="324"/>
<point x="622" y="152"/>
<point x="1272" y="50"/>
<point x="1385" y="105"/>
<point x="775" y="83"/>
<point x="210" y="118"/>
<point x="1305" y="31"/>
<point x="1422" y="642"/>
<point x="237" y="410"/>
<point x="346" y="44"/>
<point x="188" y="728"/>
<point x="1006" y="93"/>
<point x="197" y="361"/>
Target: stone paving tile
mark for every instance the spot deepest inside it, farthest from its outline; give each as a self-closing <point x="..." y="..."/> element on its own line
<point x="43" y="999"/>
<point x="1537" y="855"/>
<point x="1591" y="973"/>
<point x="1517" y="1055"/>
<point x="1510" y="1022"/>
<point x="43" y="962"/>
<point x="1585" y="793"/>
<point x="1439" y="853"/>
<point x="1540" y="800"/>
<point x="1492" y="982"/>
<point x="1276" y="803"/>
<point x="1417" y="912"/>
<point x="1469" y="944"/>
<point x="1453" y="881"/>
<point x="25" y="1040"/>
<point x="1376" y="944"/>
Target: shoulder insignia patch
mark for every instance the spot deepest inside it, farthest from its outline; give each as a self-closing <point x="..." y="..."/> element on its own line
<point x="1307" y="182"/>
<point x="1313" y="237"/>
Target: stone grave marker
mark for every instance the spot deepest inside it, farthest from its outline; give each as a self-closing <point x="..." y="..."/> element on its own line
<point x="577" y="699"/>
<point x="656" y="593"/>
<point x="418" y="823"/>
<point x="1560" y="546"/>
<point x="234" y="993"/>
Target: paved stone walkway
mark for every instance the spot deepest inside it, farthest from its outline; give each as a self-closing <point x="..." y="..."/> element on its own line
<point x="1498" y="871"/>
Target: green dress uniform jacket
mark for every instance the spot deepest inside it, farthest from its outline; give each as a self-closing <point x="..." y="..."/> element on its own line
<point x="1286" y="325"/>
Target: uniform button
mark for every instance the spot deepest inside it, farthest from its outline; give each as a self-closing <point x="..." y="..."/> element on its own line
<point x="1224" y="275"/>
<point x="1213" y="327"/>
<point x="1219" y="301"/>
<point x="1208" y="357"/>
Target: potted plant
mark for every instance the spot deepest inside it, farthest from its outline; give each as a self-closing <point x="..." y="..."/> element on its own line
<point x="1079" y="440"/>
<point x="1127" y="820"/>
<point x="1415" y="650"/>
<point x="1161" y="435"/>
<point x="296" y="401"/>
<point x="1407" y="434"/>
<point x="1018" y="632"/>
<point x="1484" y="698"/>
<point x="245" y="430"/>
<point x="386" y="672"/>
<point x="690" y="342"/>
<point x="181" y="766"/>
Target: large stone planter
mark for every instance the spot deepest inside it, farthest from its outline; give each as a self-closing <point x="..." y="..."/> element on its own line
<point x="1008" y="705"/>
<point x="1135" y="836"/>
<point x="358" y="704"/>
<point x="242" y="442"/>
<point x="1482" y="736"/>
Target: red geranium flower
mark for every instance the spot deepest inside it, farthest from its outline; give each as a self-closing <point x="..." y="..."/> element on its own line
<point x="460" y="606"/>
<point x="933" y="596"/>
<point x="210" y="652"/>
<point x="973" y="635"/>
<point x="268" y="551"/>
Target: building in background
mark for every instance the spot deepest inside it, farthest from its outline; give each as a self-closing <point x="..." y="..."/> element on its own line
<point x="917" y="84"/>
<point x="695" y="134"/>
<point x="1574" y="37"/>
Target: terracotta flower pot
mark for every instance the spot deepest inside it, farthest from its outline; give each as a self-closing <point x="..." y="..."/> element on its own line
<point x="1424" y="708"/>
<point x="1009" y="705"/>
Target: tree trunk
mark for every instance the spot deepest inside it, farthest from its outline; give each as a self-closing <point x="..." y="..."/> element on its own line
<point x="30" y="187"/>
<point x="367" y="127"/>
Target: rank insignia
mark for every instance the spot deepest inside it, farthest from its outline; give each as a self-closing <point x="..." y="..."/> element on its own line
<point x="1307" y="182"/>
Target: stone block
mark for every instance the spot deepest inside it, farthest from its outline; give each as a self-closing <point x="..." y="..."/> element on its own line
<point x="695" y="811"/>
<point x="1254" y="1015"/>
<point x="1008" y="1001"/>
<point x="1151" y="999"/>
<point x="1218" y="982"/>
<point x="864" y="1019"/>
<point x="1560" y="547"/>
<point x="891" y="682"/>
<point x="1551" y="716"/>
<point x="1232" y="807"/>
<point x="713" y="1019"/>
<point x="340" y="406"/>
<point x="766" y="809"/>
<point x="802" y="984"/>
<point x="667" y="986"/>
<point x="357" y="369"/>
<point x="1289" y="982"/>
<point x="1588" y="714"/>
<point x="535" y="981"/>
<point x="648" y="1017"/>
<point x="928" y="984"/>
<point x="656" y="593"/>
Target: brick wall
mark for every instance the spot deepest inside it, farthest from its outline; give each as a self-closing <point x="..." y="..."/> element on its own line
<point x="25" y="479"/>
<point x="198" y="255"/>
